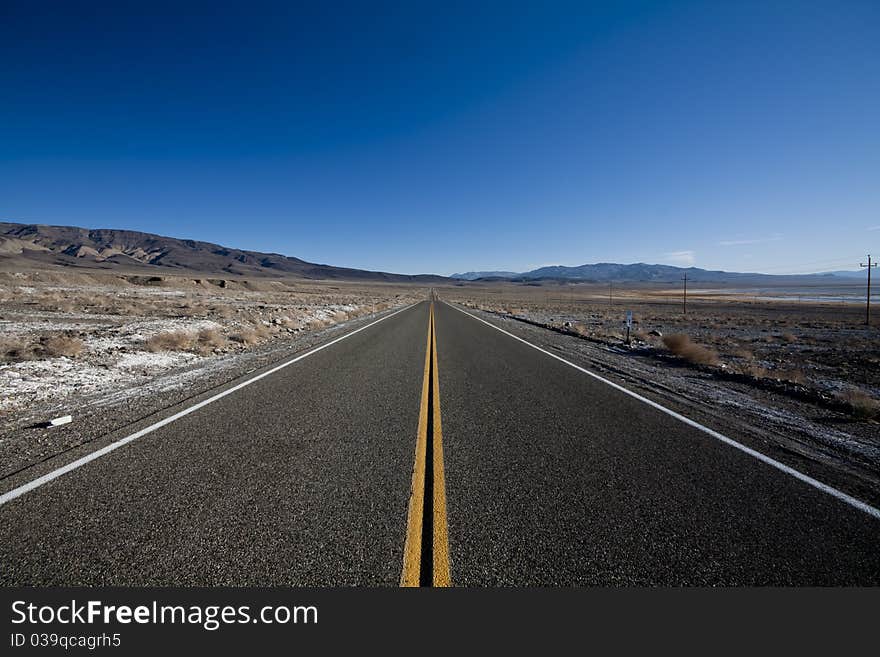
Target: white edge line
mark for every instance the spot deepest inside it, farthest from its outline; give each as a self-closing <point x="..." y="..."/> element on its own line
<point x="73" y="465"/>
<point x="815" y="483"/>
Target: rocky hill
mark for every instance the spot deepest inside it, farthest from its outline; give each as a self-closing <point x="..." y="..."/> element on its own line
<point x="35" y="246"/>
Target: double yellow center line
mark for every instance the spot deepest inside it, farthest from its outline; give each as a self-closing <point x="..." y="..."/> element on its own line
<point x="426" y="553"/>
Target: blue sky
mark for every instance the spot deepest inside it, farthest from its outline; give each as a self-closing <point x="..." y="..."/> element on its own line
<point x="454" y="136"/>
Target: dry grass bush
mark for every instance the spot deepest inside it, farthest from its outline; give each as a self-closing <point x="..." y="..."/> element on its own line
<point x="61" y="345"/>
<point x="262" y="330"/>
<point x="47" y="300"/>
<point x="211" y="337"/>
<point x="126" y="308"/>
<point x="792" y="376"/>
<point x="133" y="307"/>
<point x="199" y="310"/>
<point x="143" y="308"/>
<point x="223" y="311"/>
<point x="170" y="341"/>
<point x="207" y="340"/>
<point x="52" y="301"/>
<point x="681" y="345"/>
<point x="250" y="335"/>
<point x="244" y="336"/>
<point x="15" y="349"/>
<point x="754" y="370"/>
<point x="861" y="404"/>
<point x="676" y="342"/>
<point x="788" y="337"/>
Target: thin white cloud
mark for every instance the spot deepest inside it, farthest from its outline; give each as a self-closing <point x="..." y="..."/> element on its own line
<point x="758" y="240"/>
<point x="874" y="228"/>
<point x="681" y="258"/>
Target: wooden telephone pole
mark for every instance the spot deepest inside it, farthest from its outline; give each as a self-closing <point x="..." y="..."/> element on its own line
<point x="684" y="299"/>
<point x="869" y="266"/>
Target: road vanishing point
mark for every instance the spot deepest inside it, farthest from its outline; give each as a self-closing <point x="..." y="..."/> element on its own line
<point x="429" y="448"/>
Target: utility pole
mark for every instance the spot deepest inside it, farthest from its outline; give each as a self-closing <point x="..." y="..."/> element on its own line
<point x="869" y="266"/>
<point x="685" y="297"/>
<point x="610" y="293"/>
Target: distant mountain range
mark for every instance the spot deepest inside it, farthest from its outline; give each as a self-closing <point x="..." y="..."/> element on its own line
<point x="642" y="273"/>
<point x="859" y="273"/>
<point x="35" y="246"/>
<point x="475" y="275"/>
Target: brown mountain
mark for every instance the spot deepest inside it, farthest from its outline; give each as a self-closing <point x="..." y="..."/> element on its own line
<point x="35" y="246"/>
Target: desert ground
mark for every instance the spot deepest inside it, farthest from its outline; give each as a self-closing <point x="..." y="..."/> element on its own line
<point x="760" y="333"/>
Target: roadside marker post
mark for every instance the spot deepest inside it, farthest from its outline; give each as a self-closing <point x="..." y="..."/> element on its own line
<point x="629" y="323"/>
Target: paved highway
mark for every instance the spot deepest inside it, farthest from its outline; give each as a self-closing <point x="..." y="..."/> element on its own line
<point x="430" y="448"/>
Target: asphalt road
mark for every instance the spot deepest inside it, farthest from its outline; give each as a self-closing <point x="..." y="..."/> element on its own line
<point x="551" y="478"/>
<point x="555" y="478"/>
